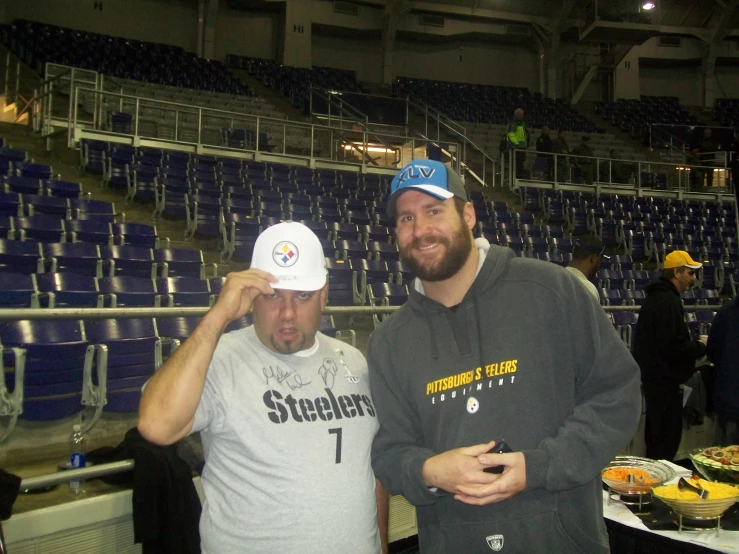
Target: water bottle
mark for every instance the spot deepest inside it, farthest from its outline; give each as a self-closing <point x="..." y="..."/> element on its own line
<point x="77" y="450"/>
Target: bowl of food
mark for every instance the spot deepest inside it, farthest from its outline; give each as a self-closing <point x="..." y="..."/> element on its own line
<point x="634" y="475"/>
<point x="688" y="503"/>
<point x="717" y="463"/>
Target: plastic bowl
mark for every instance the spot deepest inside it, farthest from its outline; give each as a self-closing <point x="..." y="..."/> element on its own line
<point x="657" y="470"/>
<point x="712" y="470"/>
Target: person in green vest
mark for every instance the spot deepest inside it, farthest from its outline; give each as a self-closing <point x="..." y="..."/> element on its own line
<point x="517" y="135"/>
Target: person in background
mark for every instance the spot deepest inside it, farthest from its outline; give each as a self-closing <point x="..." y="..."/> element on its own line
<point x="587" y="256"/>
<point x="517" y="134"/>
<point x="285" y="412"/>
<point x="692" y="159"/>
<point x="707" y="149"/>
<point x="544" y="149"/>
<point x="584" y="164"/>
<point x="723" y="352"/>
<point x="666" y="354"/>
<point x="614" y="170"/>
<point x="560" y="146"/>
<point x="488" y="347"/>
<point x="734" y="160"/>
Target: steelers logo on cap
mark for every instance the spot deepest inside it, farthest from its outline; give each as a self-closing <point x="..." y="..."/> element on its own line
<point x="285" y="254"/>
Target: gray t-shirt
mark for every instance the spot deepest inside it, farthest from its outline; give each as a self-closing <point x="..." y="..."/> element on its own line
<point x="586" y="283"/>
<point x="287" y="442"/>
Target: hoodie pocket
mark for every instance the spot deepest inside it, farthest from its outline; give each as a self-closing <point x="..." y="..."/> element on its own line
<point x="541" y="532"/>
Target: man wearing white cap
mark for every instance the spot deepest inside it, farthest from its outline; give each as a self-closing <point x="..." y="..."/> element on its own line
<point x="666" y="354"/>
<point x="285" y="412"/>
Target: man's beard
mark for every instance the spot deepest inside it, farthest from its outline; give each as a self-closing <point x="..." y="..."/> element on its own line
<point x="458" y="248"/>
<point x="288" y="347"/>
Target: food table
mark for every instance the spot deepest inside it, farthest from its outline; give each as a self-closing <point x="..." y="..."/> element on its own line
<point x="629" y="534"/>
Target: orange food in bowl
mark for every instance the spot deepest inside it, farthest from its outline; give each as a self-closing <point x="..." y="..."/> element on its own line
<point x="622" y="474"/>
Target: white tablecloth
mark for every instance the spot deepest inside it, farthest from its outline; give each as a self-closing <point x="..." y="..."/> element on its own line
<point x="724" y="541"/>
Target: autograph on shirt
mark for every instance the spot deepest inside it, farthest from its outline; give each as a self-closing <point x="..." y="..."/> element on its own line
<point x="287" y="376"/>
<point x="328" y="372"/>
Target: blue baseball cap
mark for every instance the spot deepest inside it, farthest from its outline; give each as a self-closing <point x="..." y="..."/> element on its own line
<point x="431" y="177"/>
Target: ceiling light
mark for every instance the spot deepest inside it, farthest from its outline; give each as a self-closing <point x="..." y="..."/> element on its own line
<point x="648" y="6"/>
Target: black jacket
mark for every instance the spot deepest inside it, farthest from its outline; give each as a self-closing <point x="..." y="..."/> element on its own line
<point x="544" y="144"/>
<point x="662" y="347"/>
<point x="723" y="351"/>
<point x="166" y="507"/>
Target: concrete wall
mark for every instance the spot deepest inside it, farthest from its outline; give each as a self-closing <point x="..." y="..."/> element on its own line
<point x="469" y="62"/>
<point x="362" y="54"/>
<point x="685" y="82"/>
<point x="253" y="34"/>
<point x="626" y="84"/>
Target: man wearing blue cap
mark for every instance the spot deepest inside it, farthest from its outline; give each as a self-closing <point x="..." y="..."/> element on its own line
<point x="489" y="347"/>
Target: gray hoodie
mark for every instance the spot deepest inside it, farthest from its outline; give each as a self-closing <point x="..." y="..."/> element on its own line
<point x="526" y="357"/>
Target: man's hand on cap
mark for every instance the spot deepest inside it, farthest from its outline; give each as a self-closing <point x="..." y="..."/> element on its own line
<point x="239" y="291"/>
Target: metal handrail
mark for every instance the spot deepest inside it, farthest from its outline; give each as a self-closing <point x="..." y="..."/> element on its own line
<point x="440" y="117"/>
<point x="358" y="116"/>
<point x="198" y="109"/>
<point x="35" y="98"/>
<point x="259" y="121"/>
<point x="458" y="130"/>
<point x="56" y="314"/>
<point x="81" y="474"/>
<point x="509" y="176"/>
<point x="343" y="105"/>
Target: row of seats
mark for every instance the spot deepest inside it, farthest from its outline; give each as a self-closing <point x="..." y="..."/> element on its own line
<point x="39" y="43"/>
<point x="493" y="104"/>
<point x="726" y="111"/>
<point x="295" y="82"/>
<point x="97" y="157"/>
<point x="634" y="116"/>
<point x="552" y="204"/>
<point x="88" y="258"/>
<point x="94" y="228"/>
<point x="699" y="323"/>
<point x="71" y="290"/>
<point x="58" y="368"/>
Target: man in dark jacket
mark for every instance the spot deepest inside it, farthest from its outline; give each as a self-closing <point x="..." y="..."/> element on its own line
<point x="666" y="354"/>
<point x="560" y="146"/>
<point x="488" y="347"/>
<point x="544" y="149"/>
<point x="707" y="148"/>
<point x="585" y="163"/>
<point x="692" y="160"/>
<point x="723" y="351"/>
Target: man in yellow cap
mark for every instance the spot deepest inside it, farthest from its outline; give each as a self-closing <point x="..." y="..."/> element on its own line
<point x="666" y="354"/>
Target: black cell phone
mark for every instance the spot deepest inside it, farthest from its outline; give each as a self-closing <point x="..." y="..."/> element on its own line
<point x="500" y="448"/>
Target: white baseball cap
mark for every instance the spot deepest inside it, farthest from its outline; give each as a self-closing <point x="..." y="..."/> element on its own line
<point x="291" y="252"/>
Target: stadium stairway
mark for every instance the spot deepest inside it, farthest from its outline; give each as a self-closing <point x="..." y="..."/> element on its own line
<point x="588" y="110"/>
<point x="272" y="96"/>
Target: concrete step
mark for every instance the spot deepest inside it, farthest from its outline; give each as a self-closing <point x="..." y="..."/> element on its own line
<point x="270" y="95"/>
